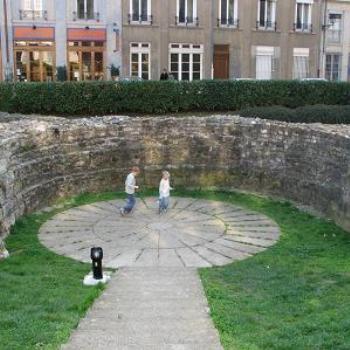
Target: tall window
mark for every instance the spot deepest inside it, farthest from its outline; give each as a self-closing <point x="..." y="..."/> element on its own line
<point x="32" y="9"/>
<point x="228" y="13"/>
<point x="334" y="32"/>
<point x="186" y="61"/>
<point x="266" y="62"/>
<point x="34" y="60"/>
<point x="86" y="60"/>
<point x="301" y="63"/>
<point x="186" y="12"/>
<point x="266" y="14"/>
<point x="303" y="15"/>
<point x="140" y="54"/>
<point x="333" y="67"/>
<point x="140" y="10"/>
<point x="85" y="9"/>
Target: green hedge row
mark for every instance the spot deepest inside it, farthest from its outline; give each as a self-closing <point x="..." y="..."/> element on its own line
<point x="102" y="98"/>
<point x="306" y="114"/>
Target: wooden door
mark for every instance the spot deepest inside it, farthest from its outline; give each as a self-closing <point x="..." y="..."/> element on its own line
<point x="221" y="61"/>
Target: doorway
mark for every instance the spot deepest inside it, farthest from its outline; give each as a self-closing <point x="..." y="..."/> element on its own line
<point x="221" y="61"/>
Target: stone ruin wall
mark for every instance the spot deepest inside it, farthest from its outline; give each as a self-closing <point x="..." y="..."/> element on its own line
<point x="42" y="159"/>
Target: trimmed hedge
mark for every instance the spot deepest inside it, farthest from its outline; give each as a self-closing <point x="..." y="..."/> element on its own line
<point x="306" y="114"/>
<point x="103" y="98"/>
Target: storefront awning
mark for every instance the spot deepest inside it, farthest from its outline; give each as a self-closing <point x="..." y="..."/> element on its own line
<point x="34" y="33"/>
<point x="86" y="34"/>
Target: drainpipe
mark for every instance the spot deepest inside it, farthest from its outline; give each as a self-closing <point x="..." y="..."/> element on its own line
<point x="8" y="70"/>
<point x="323" y="39"/>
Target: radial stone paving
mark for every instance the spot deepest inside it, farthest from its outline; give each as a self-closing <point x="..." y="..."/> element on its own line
<point x="155" y="301"/>
<point x="194" y="233"/>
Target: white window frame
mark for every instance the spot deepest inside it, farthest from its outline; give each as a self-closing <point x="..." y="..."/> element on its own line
<point x="340" y="65"/>
<point x="95" y="9"/>
<point x="235" y="14"/>
<point x="264" y="51"/>
<point x="140" y="49"/>
<point x="301" y="52"/>
<point x="149" y="11"/>
<point x="303" y="22"/>
<point x="331" y="28"/>
<point x="194" y="15"/>
<point x="179" y="49"/>
<point x="33" y="5"/>
<point x="273" y="15"/>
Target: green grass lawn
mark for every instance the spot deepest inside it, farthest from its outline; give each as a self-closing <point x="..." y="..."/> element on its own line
<point x="295" y="295"/>
<point x="41" y="294"/>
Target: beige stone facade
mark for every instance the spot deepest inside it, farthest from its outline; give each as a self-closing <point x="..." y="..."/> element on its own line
<point x="251" y="43"/>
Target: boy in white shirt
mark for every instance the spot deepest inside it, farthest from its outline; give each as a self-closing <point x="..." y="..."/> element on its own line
<point x="130" y="187"/>
<point x="164" y="192"/>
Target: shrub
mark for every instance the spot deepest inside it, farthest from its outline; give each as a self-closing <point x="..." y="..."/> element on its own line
<point x="307" y="114"/>
<point x="102" y="98"/>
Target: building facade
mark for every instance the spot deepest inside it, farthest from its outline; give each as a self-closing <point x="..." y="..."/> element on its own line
<point x="223" y="39"/>
<point x="335" y="43"/>
<point x="191" y="39"/>
<point x="39" y="35"/>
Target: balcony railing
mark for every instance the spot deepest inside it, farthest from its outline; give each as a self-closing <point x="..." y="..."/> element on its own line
<point x="86" y="16"/>
<point x="266" y="25"/>
<point x="141" y="19"/>
<point x="187" y="21"/>
<point x="228" y="22"/>
<point x="32" y="15"/>
<point x="302" y="27"/>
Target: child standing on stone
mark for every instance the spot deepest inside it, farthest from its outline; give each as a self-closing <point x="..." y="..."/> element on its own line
<point x="164" y="192"/>
<point x="130" y="187"/>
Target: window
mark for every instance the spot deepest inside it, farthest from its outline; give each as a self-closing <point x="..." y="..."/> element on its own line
<point x="266" y="14"/>
<point x="303" y="16"/>
<point x="187" y="12"/>
<point x="34" y="60"/>
<point x="32" y="10"/>
<point x="186" y="61"/>
<point x="228" y="15"/>
<point x="333" y="67"/>
<point x="140" y="60"/>
<point x="36" y="5"/>
<point x="140" y="11"/>
<point x="265" y="62"/>
<point x="86" y="10"/>
<point x="301" y="63"/>
<point x="334" y="32"/>
<point x="86" y="60"/>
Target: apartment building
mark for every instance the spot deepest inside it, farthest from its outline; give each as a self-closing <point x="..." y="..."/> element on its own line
<point x="223" y="39"/>
<point x="39" y="35"/>
<point x="335" y="43"/>
<point x="192" y="39"/>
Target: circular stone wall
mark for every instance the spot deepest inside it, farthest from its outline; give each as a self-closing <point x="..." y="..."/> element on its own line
<point x="43" y="158"/>
<point x="193" y="233"/>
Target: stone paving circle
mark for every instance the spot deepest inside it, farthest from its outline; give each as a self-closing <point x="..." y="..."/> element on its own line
<point x="193" y="233"/>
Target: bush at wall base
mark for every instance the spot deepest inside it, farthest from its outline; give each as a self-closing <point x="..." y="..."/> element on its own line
<point x="306" y="114"/>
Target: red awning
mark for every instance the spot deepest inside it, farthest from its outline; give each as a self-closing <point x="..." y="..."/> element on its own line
<point x="76" y="34"/>
<point x="34" y="33"/>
